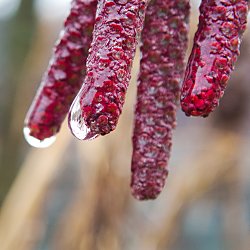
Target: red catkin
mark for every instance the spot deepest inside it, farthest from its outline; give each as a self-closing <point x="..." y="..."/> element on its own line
<point x="215" y="51"/>
<point x="99" y="104"/>
<point x="164" y="43"/>
<point x="64" y="76"/>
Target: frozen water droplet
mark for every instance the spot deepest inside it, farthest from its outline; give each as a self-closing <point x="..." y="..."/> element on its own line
<point x="36" y="142"/>
<point x="77" y="124"/>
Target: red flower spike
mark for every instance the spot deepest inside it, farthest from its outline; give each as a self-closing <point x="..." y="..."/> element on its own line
<point x="164" y="43"/>
<point x="215" y="51"/>
<point x="64" y="76"/>
<point x="98" y="106"/>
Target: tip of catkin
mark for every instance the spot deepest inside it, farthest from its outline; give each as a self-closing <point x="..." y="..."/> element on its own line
<point x="147" y="183"/>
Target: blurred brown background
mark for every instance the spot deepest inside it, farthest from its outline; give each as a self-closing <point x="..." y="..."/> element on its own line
<point x="75" y="195"/>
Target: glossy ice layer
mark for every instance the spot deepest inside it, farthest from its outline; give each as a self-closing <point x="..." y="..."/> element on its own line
<point x="164" y="43"/>
<point x="64" y="76"/>
<point x="36" y="142"/>
<point x="77" y="124"/>
<point x="118" y="26"/>
<point x="215" y="51"/>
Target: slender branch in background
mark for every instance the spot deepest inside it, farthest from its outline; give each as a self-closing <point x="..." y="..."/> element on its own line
<point x="26" y="196"/>
<point x="20" y="31"/>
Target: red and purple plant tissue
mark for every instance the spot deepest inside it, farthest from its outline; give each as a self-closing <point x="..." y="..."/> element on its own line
<point x="63" y="78"/>
<point x="164" y="43"/>
<point x="103" y="68"/>
<point x="98" y="106"/>
<point x="215" y="51"/>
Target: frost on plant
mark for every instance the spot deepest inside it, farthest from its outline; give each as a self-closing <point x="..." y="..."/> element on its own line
<point x="91" y="67"/>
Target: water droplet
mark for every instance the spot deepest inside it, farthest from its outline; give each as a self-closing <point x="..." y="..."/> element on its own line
<point x="77" y="124"/>
<point x="36" y="142"/>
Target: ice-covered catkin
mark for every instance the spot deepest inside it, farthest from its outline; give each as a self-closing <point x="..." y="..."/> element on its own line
<point x="164" y="43"/>
<point x="98" y="106"/>
<point x="63" y="78"/>
<point x="215" y="51"/>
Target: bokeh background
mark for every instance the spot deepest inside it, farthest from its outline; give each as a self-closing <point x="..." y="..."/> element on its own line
<point x="75" y="195"/>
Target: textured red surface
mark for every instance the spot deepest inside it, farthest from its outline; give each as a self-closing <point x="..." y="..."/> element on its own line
<point x="118" y="25"/>
<point x="164" y="43"/>
<point x="215" y="51"/>
<point x="65" y="74"/>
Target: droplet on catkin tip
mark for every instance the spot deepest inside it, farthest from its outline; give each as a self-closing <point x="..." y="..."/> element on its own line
<point x="36" y="142"/>
<point x="77" y="124"/>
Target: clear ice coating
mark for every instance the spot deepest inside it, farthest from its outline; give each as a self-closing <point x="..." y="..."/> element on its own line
<point x="36" y="142"/>
<point x="77" y="124"/>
